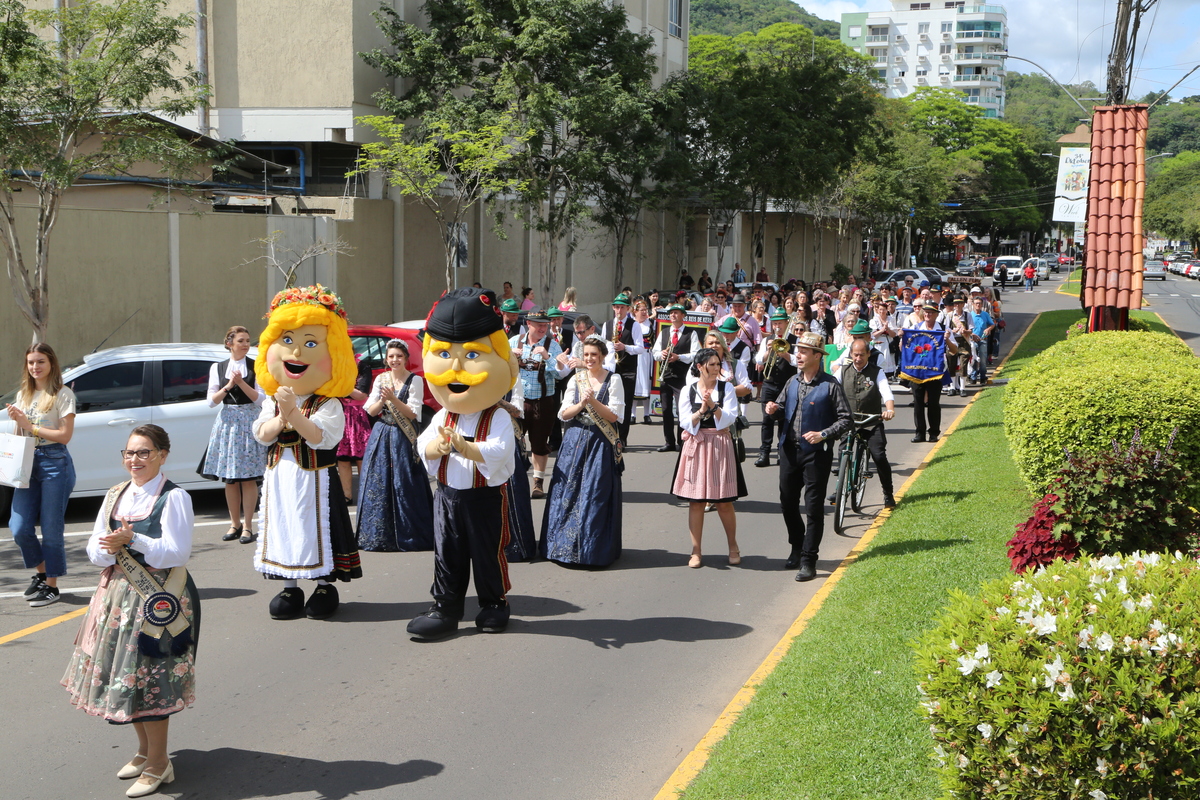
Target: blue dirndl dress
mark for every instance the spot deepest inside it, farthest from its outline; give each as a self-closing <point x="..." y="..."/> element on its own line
<point x="582" y="523"/>
<point x="395" y="503"/>
<point x="522" y="544"/>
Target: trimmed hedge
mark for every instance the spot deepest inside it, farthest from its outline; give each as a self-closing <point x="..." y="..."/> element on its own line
<point x="1079" y="681"/>
<point x="1080" y="328"/>
<point x="1085" y="393"/>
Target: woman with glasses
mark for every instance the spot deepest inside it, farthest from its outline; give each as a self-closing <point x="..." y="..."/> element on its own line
<point x="134" y="659"/>
<point x="395" y="503"/>
<point x="45" y="410"/>
<point x="708" y="470"/>
<point x="233" y="456"/>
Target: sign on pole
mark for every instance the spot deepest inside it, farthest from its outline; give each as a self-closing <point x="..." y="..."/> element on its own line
<point x="1070" y="192"/>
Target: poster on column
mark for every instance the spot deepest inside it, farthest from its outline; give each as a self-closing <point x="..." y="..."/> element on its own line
<point x="1070" y="191"/>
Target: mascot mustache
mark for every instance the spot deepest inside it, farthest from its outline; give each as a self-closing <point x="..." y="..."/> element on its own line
<point x="456" y="376"/>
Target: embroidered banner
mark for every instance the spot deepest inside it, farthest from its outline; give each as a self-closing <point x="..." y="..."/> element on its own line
<point x="922" y="355"/>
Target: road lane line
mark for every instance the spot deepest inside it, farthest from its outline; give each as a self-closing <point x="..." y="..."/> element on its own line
<point x="691" y="765"/>
<point x="41" y="626"/>
<point x="78" y="590"/>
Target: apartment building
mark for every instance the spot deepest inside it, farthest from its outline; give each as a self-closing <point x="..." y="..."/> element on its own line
<point x="950" y="43"/>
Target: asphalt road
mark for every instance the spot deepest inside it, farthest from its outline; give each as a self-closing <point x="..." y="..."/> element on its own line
<point x="1177" y="300"/>
<point x="602" y="683"/>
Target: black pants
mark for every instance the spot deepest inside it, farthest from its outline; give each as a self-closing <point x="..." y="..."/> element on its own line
<point x="470" y="532"/>
<point x="629" y="384"/>
<point x="807" y="471"/>
<point x="927" y="398"/>
<point x="667" y="395"/>
<point x="877" y="445"/>
<point x="769" y="392"/>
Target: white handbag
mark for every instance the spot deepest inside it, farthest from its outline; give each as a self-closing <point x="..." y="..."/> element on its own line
<point x="16" y="460"/>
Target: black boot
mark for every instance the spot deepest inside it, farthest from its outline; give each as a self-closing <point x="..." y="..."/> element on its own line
<point x="435" y="623"/>
<point x="288" y="604"/>
<point x="323" y="602"/>
<point x="808" y="568"/>
<point x="793" y="560"/>
<point x="764" y="459"/>
<point x="889" y="501"/>
<point x="493" y="618"/>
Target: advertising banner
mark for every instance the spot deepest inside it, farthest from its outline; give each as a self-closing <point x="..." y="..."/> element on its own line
<point x="1070" y="192"/>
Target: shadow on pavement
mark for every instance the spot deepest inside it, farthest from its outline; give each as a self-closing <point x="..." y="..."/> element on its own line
<point x="616" y="633"/>
<point x="219" y="593"/>
<point x="229" y="773"/>
<point x="906" y="548"/>
<point x="648" y="497"/>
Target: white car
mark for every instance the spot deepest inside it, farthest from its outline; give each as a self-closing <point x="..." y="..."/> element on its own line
<point x="118" y="389"/>
<point x="1013" y="268"/>
<point x="1042" y="269"/>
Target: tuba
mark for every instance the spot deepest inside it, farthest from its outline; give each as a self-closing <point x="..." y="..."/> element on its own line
<point x="775" y="351"/>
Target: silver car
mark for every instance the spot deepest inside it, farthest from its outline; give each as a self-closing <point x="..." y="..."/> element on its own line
<point x="1154" y="269"/>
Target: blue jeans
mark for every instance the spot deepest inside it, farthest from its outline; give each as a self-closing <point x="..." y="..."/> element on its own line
<point x="1029" y="284"/>
<point x="44" y="503"/>
<point x="979" y="357"/>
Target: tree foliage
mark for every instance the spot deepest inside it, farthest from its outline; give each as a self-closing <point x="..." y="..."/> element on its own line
<point x="1175" y="127"/>
<point x="1172" y="206"/>
<point x="84" y="105"/>
<point x="731" y="17"/>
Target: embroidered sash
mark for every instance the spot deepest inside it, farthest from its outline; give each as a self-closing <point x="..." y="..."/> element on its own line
<point x="610" y="432"/>
<point x="402" y="422"/>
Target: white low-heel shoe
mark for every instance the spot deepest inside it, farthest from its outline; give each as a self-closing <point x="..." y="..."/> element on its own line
<point x="140" y="789"/>
<point x="132" y="770"/>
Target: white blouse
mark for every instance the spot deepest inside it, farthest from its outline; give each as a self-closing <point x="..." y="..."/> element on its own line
<point x="173" y="549"/>
<point x="215" y="384"/>
<point x="616" y="397"/>
<point x="416" y="392"/>
<point x="330" y="418"/>
<point x="729" y="408"/>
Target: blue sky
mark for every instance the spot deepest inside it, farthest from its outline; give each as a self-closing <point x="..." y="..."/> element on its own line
<point x="1071" y="39"/>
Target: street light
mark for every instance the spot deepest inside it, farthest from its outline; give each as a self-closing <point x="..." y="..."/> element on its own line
<point x="1160" y="155"/>
<point x="1051" y="77"/>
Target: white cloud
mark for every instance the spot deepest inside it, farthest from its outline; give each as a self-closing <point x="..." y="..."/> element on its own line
<point x="1071" y="40"/>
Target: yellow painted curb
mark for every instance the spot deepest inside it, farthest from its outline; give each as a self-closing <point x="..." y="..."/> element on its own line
<point x="694" y="761"/>
<point x="41" y="626"/>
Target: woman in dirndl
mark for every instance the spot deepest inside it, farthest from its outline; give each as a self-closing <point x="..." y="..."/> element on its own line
<point x="582" y="523"/>
<point x="708" y="470"/>
<point x="126" y="668"/>
<point x="645" y="374"/>
<point x="358" y="429"/>
<point x="233" y="456"/>
<point x="395" y="503"/>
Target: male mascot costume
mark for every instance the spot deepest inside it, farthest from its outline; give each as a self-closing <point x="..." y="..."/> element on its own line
<point x="470" y="448"/>
<point x="306" y="362"/>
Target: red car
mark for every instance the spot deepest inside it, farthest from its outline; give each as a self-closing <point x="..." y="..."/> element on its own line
<point x="1066" y="261"/>
<point x="370" y="343"/>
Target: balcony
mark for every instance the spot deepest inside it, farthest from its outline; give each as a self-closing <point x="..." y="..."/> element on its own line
<point x="978" y="57"/>
<point x="978" y="35"/>
<point x="976" y="78"/>
<point x="975" y="100"/>
<point x="881" y="39"/>
<point x="982" y="10"/>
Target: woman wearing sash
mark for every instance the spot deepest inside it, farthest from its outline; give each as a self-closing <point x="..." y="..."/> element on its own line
<point x="708" y="470"/>
<point x="131" y="666"/>
<point x="582" y="523"/>
<point x="395" y="503"/>
<point x="233" y="456"/>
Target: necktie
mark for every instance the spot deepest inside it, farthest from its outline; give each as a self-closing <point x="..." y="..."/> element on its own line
<point x="674" y="336"/>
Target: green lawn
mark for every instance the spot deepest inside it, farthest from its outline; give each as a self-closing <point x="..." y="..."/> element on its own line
<point x="837" y="718"/>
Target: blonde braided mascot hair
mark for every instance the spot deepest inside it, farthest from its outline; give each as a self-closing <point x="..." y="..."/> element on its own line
<point x="292" y="315"/>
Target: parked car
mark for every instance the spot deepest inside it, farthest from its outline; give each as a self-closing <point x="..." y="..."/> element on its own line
<point x="370" y="345"/>
<point x="918" y="274"/>
<point x="1154" y="269"/>
<point x="1065" y="260"/>
<point x="965" y="267"/>
<point x="1012" y="268"/>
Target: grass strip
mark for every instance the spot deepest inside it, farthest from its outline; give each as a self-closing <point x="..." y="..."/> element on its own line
<point x="837" y="719"/>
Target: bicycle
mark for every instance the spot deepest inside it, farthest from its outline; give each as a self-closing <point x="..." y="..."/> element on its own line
<point x="854" y="463"/>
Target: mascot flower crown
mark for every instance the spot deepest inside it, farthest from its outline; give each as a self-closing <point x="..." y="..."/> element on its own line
<point x="302" y="306"/>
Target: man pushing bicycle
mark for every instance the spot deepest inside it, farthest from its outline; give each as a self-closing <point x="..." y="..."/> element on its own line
<point x="868" y="394"/>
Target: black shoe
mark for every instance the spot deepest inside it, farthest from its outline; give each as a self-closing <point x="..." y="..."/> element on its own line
<point x="667" y="448"/>
<point x="764" y="460"/>
<point x="322" y="603"/>
<point x="647" y="421"/>
<point x="808" y="568"/>
<point x="433" y="624"/>
<point x="889" y="501"/>
<point x="288" y="604"/>
<point x="234" y="532"/>
<point x="917" y="439"/>
<point x="493" y="618"/>
<point x="933" y="439"/>
<point x="45" y="596"/>
<point x="248" y="537"/>
<point x="793" y="560"/>
<point x="35" y="585"/>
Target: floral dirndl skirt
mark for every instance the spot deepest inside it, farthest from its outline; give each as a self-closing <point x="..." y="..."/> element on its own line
<point x="109" y="677"/>
<point x="233" y="453"/>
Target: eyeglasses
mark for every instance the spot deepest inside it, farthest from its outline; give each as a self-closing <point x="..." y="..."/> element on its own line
<point x="140" y="455"/>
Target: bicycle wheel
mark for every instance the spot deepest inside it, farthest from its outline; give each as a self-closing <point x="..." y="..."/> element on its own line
<point x="841" y="493"/>
<point x="858" y="489"/>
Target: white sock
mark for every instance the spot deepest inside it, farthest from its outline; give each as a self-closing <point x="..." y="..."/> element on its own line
<point x="290" y="584"/>
<point x="322" y="582"/>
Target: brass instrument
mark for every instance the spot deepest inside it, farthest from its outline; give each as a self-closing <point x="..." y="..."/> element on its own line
<point x="616" y="337"/>
<point x="661" y="369"/>
<point x="777" y="349"/>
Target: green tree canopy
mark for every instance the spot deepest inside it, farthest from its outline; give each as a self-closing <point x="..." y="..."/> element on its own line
<point x="731" y="17"/>
<point x="1173" y="198"/>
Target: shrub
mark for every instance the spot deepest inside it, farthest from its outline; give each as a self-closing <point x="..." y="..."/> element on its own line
<point x="1127" y="499"/>
<point x="1080" y="395"/>
<point x="1077" y="329"/>
<point x="1080" y="327"/>
<point x="1076" y="682"/>
<point x="1036" y="544"/>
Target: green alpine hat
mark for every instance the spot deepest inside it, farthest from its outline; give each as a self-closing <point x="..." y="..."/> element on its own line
<point x="860" y="328"/>
<point x="729" y="325"/>
<point x="620" y="300"/>
<point x="779" y="315"/>
<point x="511" y="306"/>
<point x="554" y="313"/>
<point x="676" y="307"/>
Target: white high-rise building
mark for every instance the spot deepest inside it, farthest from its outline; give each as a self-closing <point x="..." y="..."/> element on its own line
<point x="949" y="43"/>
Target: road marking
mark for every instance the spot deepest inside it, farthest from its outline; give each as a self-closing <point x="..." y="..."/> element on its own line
<point x="41" y="626"/>
<point x="1174" y="295"/>
<point x="80" y="590"/>
<point x="353" y="514"/>
<point x="691" y="765"/>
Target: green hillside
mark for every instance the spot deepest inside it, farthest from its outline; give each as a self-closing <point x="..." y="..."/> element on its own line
<point x="731" y="17"/>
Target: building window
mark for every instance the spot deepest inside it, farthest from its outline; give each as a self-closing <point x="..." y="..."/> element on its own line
<point x="855" y="31"/>
<point x="918" y="6"/>
<point x="955" y="4"/>
<point x="922" y="73"/>
<point x="947" y="27"/>
<point x="945" y="49"/>
<point x="923" y="27"/>
<point x="675" y="18"/>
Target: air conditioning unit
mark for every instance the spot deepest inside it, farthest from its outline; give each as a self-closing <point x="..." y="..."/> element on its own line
<point x="945" y="37"/>
<point x="922" y="80"/>
<point x="945" y="56"/>
<point x="899" y="37"/>
<point x="897" y="80"/>
<point x="898" y="60"/>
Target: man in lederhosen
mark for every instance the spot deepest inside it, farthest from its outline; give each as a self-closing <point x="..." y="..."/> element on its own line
<point x="676" y="345"/>
<point x="537" y="354"/>
<point x="510" y="312"/>
<point x="624" y="335"/>
<point x="470" y="448"/>
<point x="782" y="365"/>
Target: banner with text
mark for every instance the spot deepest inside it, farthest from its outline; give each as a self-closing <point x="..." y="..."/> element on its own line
<point x="1070" y="192"/>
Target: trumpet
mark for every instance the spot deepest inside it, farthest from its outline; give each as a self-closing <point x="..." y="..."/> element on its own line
<point x="661" y="368"/>
<point x="616" y="337"/>
<point x="776" y="350"/>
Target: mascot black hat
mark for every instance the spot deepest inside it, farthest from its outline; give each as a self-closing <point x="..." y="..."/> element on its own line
<point x="464" y="315"/>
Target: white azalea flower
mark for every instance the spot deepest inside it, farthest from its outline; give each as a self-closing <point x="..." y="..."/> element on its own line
<point x="967" y="664"/>
<point x="1100" y="594"/>
<point x="1123" y="585"/>
<point x="1097" y="794"/>
<point x="1045" y="625"/>
<point x="1002" y="610"/>
<point x="1158" y="625"/>
<point x="985" y="730"/>
<point x="1151" y="559"/>
<point x="1146" y="601"/>
<point x="1128" y="605"/>
<point x="993" y="679"/>
<point x="1085" y="637"/>
<point x="1104" y="642"/>
<point x="982" y="653"/>
<point x="1067" y="693"/>
<point x="1101" y="767"/>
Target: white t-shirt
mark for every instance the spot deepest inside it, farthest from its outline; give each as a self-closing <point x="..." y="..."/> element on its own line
<point x="62" y="407"/>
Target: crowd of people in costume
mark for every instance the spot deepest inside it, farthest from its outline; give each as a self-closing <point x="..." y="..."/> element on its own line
<point x="518" y="386"/>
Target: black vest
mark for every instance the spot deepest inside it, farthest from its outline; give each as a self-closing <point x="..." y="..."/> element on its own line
<point x="235" y="396"/>
<point x="862" y="392"/>
<point x="626" y="363"/>
<point x="676" y="373"/>
<point x="783" y="368"/>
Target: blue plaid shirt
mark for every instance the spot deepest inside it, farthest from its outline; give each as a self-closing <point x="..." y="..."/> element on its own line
<point x="537" y="382"/>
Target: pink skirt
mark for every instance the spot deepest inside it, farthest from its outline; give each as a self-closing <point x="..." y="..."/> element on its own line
<point x="707" y="469"/>
<point x="358" y="430"/>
